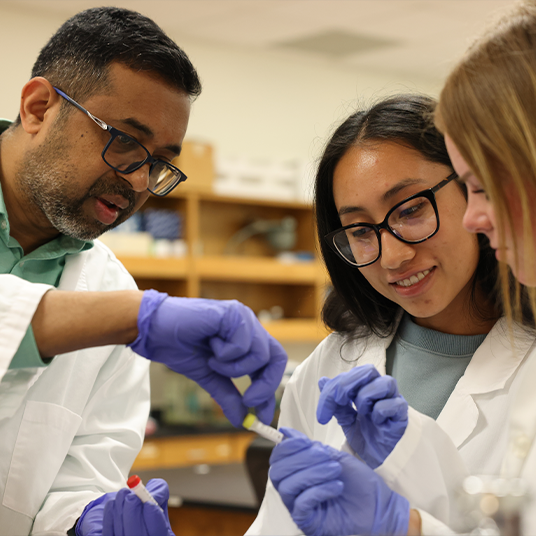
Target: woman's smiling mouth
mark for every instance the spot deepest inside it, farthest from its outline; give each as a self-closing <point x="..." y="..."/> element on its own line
<point x="415" y="278"/>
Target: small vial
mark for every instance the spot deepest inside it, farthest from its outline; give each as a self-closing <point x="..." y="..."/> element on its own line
<point x="252" y="423"/>
<point x="136" y="485"/>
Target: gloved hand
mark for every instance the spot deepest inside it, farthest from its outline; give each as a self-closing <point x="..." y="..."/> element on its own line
<point x="211" y="341"/>
<point x="331" y="493"/>
<point x="369" y="409"/>
<point x="121" y="513"/>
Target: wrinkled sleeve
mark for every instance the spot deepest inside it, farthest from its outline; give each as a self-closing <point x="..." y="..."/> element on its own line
<point x="18" y="302"/>
<point x="105" y="445"/>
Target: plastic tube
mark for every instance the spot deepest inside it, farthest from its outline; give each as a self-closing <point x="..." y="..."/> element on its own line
<point x="136" y="485"/>
<point x="252" y="423"/>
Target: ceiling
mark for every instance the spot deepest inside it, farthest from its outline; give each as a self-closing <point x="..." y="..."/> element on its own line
<point x="414" y="38"/>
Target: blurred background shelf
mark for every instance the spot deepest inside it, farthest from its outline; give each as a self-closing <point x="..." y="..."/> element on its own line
<point x="257" y="269"/>
<point x="262" y="252"/>
<point x="158" y="268"/>
<point x="225" y="268"/>
<point x="189" y="450"/>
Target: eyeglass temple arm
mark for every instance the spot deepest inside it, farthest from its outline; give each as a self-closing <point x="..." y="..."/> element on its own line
<point x="99" y="122"/>
<point x="444" y="182"/>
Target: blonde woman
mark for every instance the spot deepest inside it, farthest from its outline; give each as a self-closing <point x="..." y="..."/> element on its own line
<point x="487" y="111"/>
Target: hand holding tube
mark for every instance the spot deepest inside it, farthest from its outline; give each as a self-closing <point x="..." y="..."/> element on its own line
<point x="368" y="407"/>
<point x="211" y="341"/>
<point x="328" y="492"/>
<point x="121" y="513"/>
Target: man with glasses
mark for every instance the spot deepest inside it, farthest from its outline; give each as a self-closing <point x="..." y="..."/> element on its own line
<point x="101" y="119"/>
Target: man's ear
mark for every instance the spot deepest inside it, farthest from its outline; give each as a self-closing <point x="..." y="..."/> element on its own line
<point x="39" y="101"/>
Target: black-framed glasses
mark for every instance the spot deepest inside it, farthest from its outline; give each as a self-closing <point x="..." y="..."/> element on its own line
<point x="126" y="154"/>
<point x="413" y="220"/>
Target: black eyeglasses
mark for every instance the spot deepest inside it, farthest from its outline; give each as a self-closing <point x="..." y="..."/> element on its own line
<point x="413" y="220"/>
<point x="125" y="154"/>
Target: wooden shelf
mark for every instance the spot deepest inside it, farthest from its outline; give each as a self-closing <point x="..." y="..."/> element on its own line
<point x="157" y="268"/>
<point x="252" y="275"/>
<point x="257" y="269"/>
<point x="297" y="330"/>
<point x="179" y="193"/>
<point x="219" y="268"/>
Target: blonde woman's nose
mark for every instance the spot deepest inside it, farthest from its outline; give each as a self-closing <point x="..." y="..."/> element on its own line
<point x="477" y="217"/>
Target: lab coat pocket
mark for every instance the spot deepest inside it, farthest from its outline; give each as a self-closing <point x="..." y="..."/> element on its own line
<point x="45" y="435"/>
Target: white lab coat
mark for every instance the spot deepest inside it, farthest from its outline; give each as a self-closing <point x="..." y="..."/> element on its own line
<point x="427" y="466"/>
<point x="69" y="431"/>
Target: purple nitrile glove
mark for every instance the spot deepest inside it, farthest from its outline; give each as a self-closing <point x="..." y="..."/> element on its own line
<point x="126" y="515"/>
<point x="211" y="341"/>
<point x="90" y="522"/>
<point x="369" y="409"/>
<point x="121" y="513"/>
<point x="331" y="493"/>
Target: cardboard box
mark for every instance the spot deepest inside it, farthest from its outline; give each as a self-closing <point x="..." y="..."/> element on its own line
<point x="197" y="162"/>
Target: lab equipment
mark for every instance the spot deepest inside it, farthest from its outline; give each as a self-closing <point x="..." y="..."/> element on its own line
<point x="136" y="486"/>
<point x="369" y="409"/>
<point x="252" y="423"/>
<point x="331" y="492"/>
<point x="494" y="506"/>
<point x="280" y="234"/>
<point x="163" y="223"/>
<point x="210" y="342"/>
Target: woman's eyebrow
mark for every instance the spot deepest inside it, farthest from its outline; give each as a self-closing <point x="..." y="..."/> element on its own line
<point x="386" y="196"/>
<point x="400" y="186"/>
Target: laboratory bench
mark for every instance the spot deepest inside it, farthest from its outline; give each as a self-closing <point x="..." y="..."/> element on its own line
<point x="165" y="450"/>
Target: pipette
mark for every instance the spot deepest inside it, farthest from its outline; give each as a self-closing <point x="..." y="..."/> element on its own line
<point x="252" y="423"/>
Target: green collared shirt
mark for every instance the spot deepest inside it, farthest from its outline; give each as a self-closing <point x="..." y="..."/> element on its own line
<point x="43" y="265"/>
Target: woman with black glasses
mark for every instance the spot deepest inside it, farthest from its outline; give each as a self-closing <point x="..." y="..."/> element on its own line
<point x="413" y="297"/>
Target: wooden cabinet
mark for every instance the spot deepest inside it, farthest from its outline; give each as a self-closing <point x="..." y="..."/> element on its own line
<point x="251" y="272"/>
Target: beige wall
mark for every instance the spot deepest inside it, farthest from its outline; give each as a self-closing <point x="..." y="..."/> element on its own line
<point x="256" y="104"/>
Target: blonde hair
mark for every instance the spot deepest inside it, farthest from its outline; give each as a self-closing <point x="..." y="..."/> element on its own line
<point x="488" y="108"/>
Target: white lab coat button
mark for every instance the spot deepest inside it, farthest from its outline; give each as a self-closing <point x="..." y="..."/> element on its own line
<point x="521" y="446"/>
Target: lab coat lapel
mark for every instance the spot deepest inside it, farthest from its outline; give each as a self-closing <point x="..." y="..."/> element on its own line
<point x="74" y="274"/>
<point x="492" y="365"/>
<point x="376" y="351"/>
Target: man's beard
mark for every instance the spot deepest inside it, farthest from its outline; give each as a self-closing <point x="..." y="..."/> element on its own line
<point x="51" y="187"/>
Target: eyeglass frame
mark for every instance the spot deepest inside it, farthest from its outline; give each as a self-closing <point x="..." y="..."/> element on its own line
<point x="114" y="133"/>
<point x="428" y="193"/>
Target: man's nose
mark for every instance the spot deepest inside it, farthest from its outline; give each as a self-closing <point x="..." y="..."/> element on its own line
<point x="394" y="252"/>
<point x="139" y="179"/>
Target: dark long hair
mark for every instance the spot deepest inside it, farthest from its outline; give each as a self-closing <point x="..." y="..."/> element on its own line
<point x="353" y="305"/>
